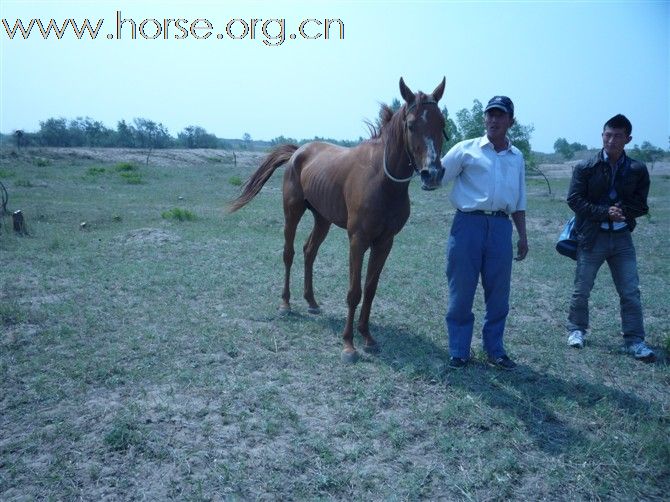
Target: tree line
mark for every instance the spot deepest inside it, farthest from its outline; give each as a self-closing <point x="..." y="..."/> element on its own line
<point x="646" y="152"/>
<point x="148" y="134"/>
<point x="140" y="133"/>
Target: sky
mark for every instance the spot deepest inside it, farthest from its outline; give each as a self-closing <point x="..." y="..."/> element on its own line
<point x="568" y="66"/>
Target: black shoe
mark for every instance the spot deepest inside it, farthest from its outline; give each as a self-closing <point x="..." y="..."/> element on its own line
<point x="502" y="362"/>
<point x="457" y="363"/>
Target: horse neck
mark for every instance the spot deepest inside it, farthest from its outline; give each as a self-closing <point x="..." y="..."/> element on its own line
<point x="397" y="159"/>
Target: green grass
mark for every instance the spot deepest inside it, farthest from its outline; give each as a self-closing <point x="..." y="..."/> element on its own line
<point x="235" y="181"/>
<point x="95" y="171"/>
<point x="132" y="178"/>
<point x="23" y="183"/>
<point x="178" y="214"/>
<point x="125" y="167"/>
<point x="41" y="162"/>
<point x="147" y="359"/>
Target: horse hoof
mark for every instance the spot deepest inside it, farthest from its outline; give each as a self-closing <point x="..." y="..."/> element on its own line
<point x="284" y="309"/>
<point x="314" y="310"/>
<point x="349" y="357"/>
<point x="371" y="349"/>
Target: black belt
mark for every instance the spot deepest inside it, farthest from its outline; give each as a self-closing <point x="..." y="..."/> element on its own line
<point x="485" y="213"/>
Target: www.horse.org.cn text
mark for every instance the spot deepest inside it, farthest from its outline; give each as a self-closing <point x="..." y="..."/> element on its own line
<point x="271" y="32"/>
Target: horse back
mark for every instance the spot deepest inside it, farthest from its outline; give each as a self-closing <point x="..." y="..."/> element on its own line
<point x="332" y="178"/>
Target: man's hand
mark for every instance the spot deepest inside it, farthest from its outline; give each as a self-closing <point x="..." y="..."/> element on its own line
<point x="615" y="213"/>
<point x="522" y="249"/>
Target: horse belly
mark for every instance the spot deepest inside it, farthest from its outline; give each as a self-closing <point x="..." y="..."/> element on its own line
<point x="323" y="194"/>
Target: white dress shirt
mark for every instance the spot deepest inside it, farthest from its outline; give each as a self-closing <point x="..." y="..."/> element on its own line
<point x="484" y="179"/>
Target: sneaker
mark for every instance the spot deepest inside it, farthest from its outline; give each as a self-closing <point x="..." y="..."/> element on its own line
<point x="502" y="362"/>
<point x="641" y="352"/>
<point x="457" y="363"/>
<point x="576" y="339"/>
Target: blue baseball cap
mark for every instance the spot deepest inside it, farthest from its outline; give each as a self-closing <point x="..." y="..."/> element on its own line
<point x="501" y="102"/>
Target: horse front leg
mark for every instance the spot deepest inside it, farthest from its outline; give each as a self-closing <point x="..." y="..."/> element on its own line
<point x="378" y="254"/>
<point x="356" y="252"/>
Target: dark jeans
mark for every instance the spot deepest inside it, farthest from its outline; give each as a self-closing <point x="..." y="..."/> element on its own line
<point x="478" y="246"/>
<point x="615" y="248"/>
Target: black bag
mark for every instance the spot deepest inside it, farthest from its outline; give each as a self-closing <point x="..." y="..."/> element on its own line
<point x="567" y="241"/>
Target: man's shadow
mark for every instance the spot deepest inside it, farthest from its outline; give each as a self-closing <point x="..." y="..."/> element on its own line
<point x="523" y="392"/>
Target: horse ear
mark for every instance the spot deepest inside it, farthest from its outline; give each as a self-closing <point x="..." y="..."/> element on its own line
<point x="439" y="90"/>
<point x="406" y="93"/>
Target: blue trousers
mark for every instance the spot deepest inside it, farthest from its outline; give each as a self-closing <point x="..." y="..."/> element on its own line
<point x="617" y="249"/>
<point x="478" y="245"/>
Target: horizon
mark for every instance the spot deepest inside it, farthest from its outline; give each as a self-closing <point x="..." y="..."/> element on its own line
<point x="261" y="140"/>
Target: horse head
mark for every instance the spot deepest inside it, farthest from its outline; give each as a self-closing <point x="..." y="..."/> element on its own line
<point x="424" y="126"/>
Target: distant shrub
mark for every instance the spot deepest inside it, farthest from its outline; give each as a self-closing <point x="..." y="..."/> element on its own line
<point x="178" y="214"/>
<point x="125" y="167"/>
<point x="132" y="178"/>
<point x="94" y="171"/>
<point x="40" y="162"/>
<point x="235" y="181"/>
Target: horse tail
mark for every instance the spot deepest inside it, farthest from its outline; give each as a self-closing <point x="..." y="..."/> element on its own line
<point x="276" y="158"/>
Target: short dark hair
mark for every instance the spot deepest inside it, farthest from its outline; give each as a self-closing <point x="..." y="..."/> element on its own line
<point x="619" y="122"/>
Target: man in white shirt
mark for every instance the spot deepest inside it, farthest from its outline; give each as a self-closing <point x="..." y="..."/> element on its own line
<point x="489" y="187"/>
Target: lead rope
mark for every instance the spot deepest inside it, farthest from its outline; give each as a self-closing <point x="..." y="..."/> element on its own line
<point x="390" y="176"/>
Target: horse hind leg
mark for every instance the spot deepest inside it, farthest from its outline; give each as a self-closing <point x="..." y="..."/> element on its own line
<point x="294" y="208"/>
<point x="311" y="248"/>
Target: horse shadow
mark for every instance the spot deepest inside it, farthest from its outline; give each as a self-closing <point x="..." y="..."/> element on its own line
<point x="523" y="392"/>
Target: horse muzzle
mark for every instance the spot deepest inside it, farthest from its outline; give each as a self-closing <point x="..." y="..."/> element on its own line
<point x="431" y="178"/>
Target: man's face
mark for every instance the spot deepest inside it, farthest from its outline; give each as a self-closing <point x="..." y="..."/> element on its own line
<point x="497" y="123"/>
<point x="614" y="141"/>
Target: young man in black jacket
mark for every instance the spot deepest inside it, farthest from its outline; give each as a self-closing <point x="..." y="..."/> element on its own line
<point x="607" y="193"/>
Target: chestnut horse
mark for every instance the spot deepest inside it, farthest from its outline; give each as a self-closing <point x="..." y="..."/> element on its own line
<point x="363" y="189"/>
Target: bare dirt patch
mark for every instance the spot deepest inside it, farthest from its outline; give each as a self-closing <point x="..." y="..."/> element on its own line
<point x="155" y="236"/>
<point x="172" y="157"/>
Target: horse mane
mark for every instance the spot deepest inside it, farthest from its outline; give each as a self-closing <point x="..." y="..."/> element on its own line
<point x="388" y="122"/>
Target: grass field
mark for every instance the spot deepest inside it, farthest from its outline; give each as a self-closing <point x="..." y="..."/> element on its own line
<point x="142" y="355"/>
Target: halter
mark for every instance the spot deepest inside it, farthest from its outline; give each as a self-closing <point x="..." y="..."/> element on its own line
<point x="412" y="162"/>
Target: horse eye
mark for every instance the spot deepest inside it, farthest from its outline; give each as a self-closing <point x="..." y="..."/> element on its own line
<point x="410" y="125"/>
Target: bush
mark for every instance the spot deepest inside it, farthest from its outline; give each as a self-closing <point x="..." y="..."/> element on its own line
<point x="94" y="171"/>
<point x="132" y="178"/>
<point x="126" y="432"/>
<point x="40" y="162"/>
<point x="178" y="214"/>
<point x="125" y="167"/>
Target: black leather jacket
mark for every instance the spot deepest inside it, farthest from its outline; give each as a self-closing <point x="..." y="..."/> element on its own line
<point x="591" y="180"/>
